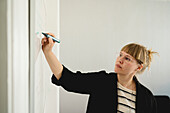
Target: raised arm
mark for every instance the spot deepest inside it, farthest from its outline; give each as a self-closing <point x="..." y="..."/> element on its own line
<point x="55" y="65"/>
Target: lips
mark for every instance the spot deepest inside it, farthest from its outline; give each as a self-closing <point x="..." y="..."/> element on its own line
<point x="118" y="66"/>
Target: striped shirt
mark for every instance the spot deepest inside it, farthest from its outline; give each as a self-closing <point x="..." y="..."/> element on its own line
<point x="126" y="100"/>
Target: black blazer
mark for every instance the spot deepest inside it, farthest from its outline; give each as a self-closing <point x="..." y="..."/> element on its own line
<point x="102" y="88"/>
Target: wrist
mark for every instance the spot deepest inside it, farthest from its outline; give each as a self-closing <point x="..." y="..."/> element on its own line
<point x="46" y="53"/>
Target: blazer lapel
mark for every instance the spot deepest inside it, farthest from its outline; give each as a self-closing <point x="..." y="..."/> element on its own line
<point x="139" y="98"/>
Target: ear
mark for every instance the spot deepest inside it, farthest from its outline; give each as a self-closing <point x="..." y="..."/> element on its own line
<point x="140" y="67"/>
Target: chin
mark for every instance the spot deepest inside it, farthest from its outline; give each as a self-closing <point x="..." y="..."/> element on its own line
<point x="117" y="70"/>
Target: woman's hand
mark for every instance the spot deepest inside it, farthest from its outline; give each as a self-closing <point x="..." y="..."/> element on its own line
<point x="47" y="44"/>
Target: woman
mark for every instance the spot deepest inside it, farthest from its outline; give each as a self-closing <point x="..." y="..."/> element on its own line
<point x="117" y="92"/>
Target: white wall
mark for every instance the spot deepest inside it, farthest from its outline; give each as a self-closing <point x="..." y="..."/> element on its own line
<point x="93" y="31"/>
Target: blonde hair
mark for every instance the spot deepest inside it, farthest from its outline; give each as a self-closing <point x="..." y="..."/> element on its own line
<point x="140" y="53"/>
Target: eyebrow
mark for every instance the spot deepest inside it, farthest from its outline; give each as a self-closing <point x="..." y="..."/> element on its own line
<point x="126" y="55"/>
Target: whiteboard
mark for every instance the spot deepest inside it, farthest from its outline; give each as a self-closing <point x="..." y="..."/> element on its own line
<point x="43" y="98"/>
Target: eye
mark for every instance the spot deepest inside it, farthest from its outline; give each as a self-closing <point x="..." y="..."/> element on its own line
<point x="120" y="55"/>
<point x="127" y="58"/>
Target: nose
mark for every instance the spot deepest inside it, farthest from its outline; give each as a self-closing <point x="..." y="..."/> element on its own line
<point x="120" y="61"/>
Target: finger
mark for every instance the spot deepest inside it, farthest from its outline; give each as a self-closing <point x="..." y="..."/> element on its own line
<point x="50" y="40"/>
<point x="44" y="40"/>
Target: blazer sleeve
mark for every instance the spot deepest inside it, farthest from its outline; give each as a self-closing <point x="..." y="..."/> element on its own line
<point x="78" y="82"/>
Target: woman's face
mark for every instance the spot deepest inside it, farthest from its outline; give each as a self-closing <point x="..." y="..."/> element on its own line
<point x="126" y="64"/>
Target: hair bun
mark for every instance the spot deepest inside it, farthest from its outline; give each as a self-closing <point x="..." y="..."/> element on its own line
<point x="150" y="57"/>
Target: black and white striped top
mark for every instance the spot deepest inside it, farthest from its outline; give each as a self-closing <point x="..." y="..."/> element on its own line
<point x="126" y="100"/>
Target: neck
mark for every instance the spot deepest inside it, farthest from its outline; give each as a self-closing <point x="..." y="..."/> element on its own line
<point x="126" y="81"/>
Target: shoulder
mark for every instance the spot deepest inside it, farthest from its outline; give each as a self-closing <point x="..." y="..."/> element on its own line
<point x="142" y="88"/>
<point x="147" y="98"/>
<point x="145" y="90"/>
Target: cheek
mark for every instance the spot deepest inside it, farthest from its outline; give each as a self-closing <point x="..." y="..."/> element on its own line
<point x="130" y="66"/>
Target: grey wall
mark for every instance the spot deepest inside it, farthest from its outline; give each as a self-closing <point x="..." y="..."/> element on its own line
<point x="94" y="31"/>
<point x="3" y="56"/>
